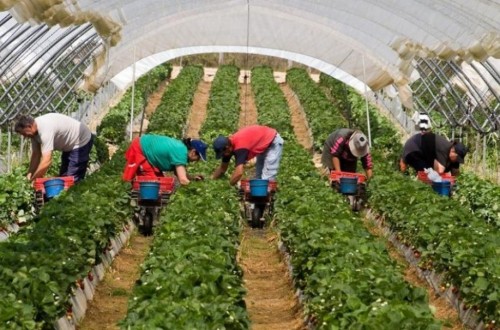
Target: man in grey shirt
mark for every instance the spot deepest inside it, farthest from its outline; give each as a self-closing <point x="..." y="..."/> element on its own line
<point x="55" y="131"/>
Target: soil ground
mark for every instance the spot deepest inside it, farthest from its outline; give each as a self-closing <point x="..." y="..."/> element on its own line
<point x="111" y="297"/>
<point x="248" y="113"/>
<point x="270" y="299"/>
<point x="198" y="111"/>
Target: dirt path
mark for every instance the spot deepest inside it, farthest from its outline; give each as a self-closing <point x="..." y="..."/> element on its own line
<point x="270" y="298"/>
<point x="248" y="114"/>
<point x="154" y="101"/>
<point x="300" y="126"/>
<point x="111" y="297"/>
<point x="198" y="111"/>
<point x="299" y="122"/>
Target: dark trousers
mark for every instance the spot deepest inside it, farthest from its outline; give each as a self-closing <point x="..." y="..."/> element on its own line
<point x="74" y="162"/>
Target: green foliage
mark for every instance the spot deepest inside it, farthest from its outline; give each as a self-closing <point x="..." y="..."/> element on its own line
<point x="451" y="240"/>
<point x="224" y="104"/>
<point x="191" y="279"/>
<point x="112" y="126"/>
<point x="170" y="115"/>
<point x="322" y="116"/>
<point x="272" y="105"/>
<point x="16" y="198"/>
<point x="40" y="266"/>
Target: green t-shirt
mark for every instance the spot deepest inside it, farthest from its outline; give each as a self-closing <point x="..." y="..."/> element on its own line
<point x="163" y="152"/>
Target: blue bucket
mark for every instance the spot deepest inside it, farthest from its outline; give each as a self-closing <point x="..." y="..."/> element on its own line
<point x="443" y="188"/>
<point x="348" y="186"/>
<point x="149" y="190"/>
<point x="53" y="187"/>
<point x="258" y="187"/>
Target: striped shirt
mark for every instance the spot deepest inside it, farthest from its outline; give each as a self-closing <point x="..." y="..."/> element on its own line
<point x="337" y="145"/>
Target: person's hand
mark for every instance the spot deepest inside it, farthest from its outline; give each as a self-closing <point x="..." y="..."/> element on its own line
<point x="198" y="177"/>
<point x="28" y="176"/>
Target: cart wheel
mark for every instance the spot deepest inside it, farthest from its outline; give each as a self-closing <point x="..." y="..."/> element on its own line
<point x="357" y="204"/>
<point x="257" y="213"/>
<point x="147" y="228"/>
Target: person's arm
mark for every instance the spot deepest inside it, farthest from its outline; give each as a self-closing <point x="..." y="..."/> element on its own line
<point x="43" y="166"/>
<point x="36" y="154"/>
<point x="438" y="167"/>
<point x="237" y="174"/>
<point x="369" y="173"/>
<point x="180" y="171"/>
<point x="220" y="170"/>
<point x="402" y="165"/>
<point x="336" y="163"/>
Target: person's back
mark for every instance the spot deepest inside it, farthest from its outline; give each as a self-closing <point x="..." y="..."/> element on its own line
<point x="330" y="143"/>
<point x="164" y="152"/>
<point x="60" y="132"/>
<point x="255" y="138"/>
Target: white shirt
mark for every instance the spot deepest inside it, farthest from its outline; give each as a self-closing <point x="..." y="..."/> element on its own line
<point x="60" y="132"/>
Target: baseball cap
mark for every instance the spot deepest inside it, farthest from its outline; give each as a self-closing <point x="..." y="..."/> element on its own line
<point x="358" y="144"/>
<point x="201" y="148"/>
<point x="461" y="151"/>
<point x="219" y="144"/>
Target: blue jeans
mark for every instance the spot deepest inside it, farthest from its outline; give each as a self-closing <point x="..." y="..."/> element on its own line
<point x="74" y="162"/>
<point x="268" y="162"/>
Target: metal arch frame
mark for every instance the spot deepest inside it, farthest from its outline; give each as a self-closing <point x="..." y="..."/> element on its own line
<point x="433" y="70"/>
<point x="495" y="120"/>
<point x="37" y="79"/>
<point x="80" y="67"/>
<point x="43" y="73"/>
<point x="27" y="68"/>
<point x="482" y="103"/>
<point x="435" y="101"/>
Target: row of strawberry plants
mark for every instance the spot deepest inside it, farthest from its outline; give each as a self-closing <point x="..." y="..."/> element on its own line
<point x="445" y="236"/>
<point x="46" y="296"/>
<point x="346" y="275"/>
<point x="16" y="200"/>
<point x="480" y="196"/>
<point x="191" y="279"/>
<point x="319" y="111"/>
<point x="40" y="266"/>
<point x="113" y="125"/>
<point x="170" y="115"/>
<point x="224" y="104"/>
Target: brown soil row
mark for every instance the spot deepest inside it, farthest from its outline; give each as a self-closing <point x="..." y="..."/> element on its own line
<point x="198" y="111"/>
<point x="248" y="114"/>
<point x="111" y="297"/>
<point x="270" y="298"/>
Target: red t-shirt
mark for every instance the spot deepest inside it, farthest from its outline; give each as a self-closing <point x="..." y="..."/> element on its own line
<point x="250" y="141"/>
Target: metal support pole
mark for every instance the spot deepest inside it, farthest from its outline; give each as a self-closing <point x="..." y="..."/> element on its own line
<point x="133" y="99"/>
<point x="9" y="145"/>
<point x="485" y="150"/>
<point x="366" y="103"/>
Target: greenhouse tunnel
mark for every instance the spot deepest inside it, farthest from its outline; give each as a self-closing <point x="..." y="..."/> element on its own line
<point x="396" y="59"/>
<point x="441" y="59"/>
